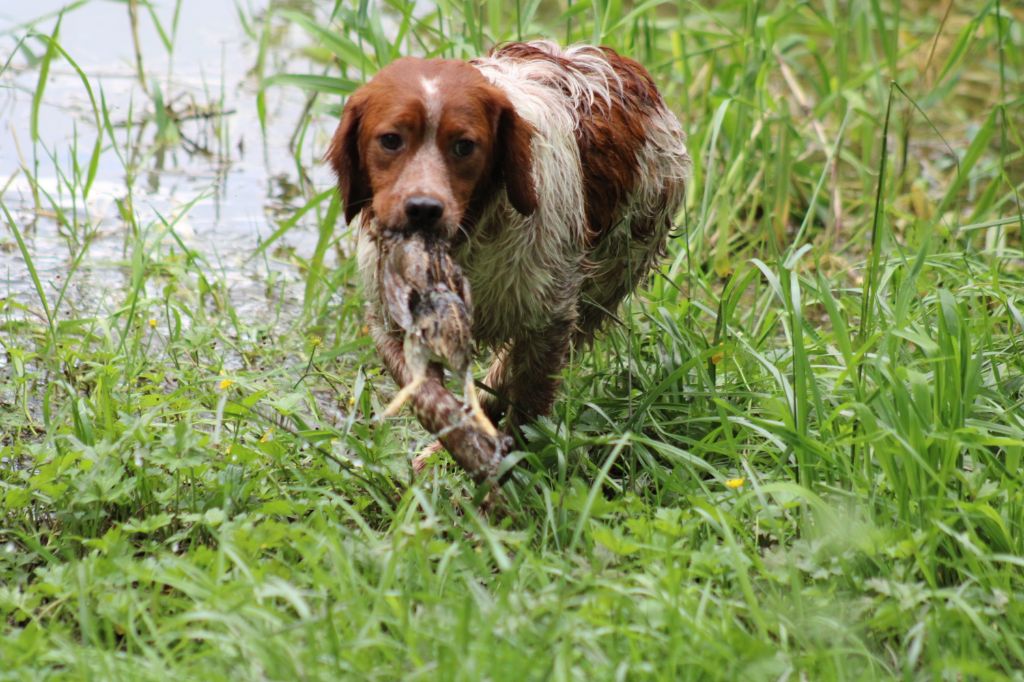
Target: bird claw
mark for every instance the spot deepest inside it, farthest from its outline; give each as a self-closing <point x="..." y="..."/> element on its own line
<point x="476" y="411"/>
<point x="481" y="420"/>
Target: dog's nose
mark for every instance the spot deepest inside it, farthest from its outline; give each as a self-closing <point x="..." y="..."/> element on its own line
<point x="423" y="211"/>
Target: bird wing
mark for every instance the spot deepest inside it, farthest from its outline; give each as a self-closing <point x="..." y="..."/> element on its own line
<point x="449" y="276"/>
<point x="444" y="327"/>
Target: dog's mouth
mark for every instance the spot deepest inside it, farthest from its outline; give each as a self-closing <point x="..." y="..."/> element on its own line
<point x="443" y="232"/>
<point x="459" y="238"/>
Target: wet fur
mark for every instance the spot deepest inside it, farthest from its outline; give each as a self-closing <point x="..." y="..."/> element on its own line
<point x="582" y="171"/>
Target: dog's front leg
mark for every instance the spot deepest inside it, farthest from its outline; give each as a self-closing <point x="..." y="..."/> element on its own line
<point x="527" y="374"/>
<point x="441" y="413"/>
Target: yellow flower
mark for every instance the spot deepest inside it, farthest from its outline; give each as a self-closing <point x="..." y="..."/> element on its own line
<point x="225" y="384"/>
<point x="152" y="323"/>
<point x="315" y="340"/>
<point x="734" y="483"/>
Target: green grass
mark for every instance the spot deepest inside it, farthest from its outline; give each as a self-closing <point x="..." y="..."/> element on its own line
<point x="190" y="492"/>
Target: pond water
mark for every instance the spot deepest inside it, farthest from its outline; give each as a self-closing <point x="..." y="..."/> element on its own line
<point x="241" y="180"/>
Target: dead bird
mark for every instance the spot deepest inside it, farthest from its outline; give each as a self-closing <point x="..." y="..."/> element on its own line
<point x="426" y="295"/>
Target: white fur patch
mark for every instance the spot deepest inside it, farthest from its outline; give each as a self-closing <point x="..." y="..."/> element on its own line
<point x="518" y="271"/>
<point x="434" y="105"/>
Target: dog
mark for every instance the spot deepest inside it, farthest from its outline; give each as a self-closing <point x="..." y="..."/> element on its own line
<point x="554" y="175"/>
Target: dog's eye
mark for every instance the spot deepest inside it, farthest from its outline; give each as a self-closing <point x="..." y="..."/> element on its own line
<point x="463" y="148"/>
<point x="391" y="141"/>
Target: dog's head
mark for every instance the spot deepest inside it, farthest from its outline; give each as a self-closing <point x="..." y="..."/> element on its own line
<point x="424" y="142"/>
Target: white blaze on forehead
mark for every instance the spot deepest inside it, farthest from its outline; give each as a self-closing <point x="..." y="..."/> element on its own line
<point x="432" y="100"/>
<point x="425" y="173"/>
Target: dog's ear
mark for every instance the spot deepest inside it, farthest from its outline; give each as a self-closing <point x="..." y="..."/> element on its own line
<point x="343" y="155"/>
<point x="515" y="159"/>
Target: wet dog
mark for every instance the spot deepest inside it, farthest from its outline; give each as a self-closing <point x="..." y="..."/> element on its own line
<point x="553" y="174"/>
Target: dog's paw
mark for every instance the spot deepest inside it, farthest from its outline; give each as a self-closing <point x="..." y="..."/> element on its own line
<point x="422" y="460"/>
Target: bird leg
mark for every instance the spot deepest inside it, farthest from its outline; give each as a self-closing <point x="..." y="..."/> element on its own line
<point x="407" y="392"/>
<point x="440" y="412"/>
<point x="473" y="403"/>
<point x="532" y="372"/>
<point x="416" y="363"/>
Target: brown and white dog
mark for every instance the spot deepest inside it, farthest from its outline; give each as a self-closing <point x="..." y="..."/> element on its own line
<point x="555" y="174"/>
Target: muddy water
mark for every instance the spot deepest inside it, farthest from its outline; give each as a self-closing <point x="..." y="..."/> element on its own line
<point x="242" y="181"/>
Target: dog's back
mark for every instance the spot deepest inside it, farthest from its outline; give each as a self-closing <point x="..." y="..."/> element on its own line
<point x="609" y="165"/>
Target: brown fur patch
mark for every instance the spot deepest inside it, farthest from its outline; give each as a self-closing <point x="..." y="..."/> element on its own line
<point x="608" y="135"/>
<point x="396" y="103"/>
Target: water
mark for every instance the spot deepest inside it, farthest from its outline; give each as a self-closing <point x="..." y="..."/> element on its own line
<point x="242" y="183"/>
